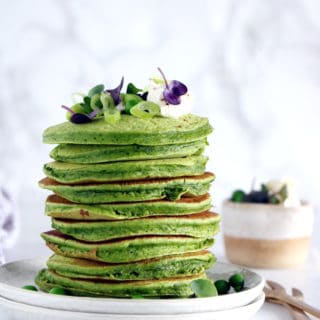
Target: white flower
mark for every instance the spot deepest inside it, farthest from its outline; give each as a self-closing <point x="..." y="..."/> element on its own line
<point x="292" y="199"/>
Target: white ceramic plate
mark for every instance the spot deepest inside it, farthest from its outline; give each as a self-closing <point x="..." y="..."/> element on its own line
<point x="17" y="274"/>
<point x="10" y="310"/>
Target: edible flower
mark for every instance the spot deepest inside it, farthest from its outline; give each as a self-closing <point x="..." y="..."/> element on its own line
<point x="80" y="118"/>
<point x="173" y="90"/>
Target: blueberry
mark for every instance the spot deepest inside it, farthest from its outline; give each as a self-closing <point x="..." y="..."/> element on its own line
<point x="258" y="197"/>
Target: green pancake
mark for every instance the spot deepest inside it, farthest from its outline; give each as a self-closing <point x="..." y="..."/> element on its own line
<point x="77" y="153"/>
<point x="159" y="268"/>
<point x="201" y="225"/>
<point x="131" y="130"/>
<point x="58" y="207"/>
<point x="172" y="287"/>
<point x="124" y="250"/>
<point x="127" y="170"/>
<point x="131" y="191"/>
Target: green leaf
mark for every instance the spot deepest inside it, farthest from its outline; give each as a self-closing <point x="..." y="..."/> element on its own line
<point x="58" y="291"/>
<point x="95" y="101"/>
<point x="30" y="287"/>
<point x="96" y="89"/>
<point x="86" y="105"/>
<point x="203" y="288"/>
<point x="264" y="188"/>
<point x="132" y="89"/>
<point x="137" y="296"/>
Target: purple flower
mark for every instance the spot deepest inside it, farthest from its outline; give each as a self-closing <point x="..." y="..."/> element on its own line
<point x="115" y="93"/>
<point x="173" y="91"/>
<point x="80" y="118"/>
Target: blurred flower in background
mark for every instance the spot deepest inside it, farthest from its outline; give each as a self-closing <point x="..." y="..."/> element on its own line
<point x="8" y="222"/>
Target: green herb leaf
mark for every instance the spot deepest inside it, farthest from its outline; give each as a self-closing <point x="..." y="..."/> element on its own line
<point x="58" y="291"/>
<point x="203" y="288"/>
<point x="132" y="89"/>
<point x="95" y="102"/>
<point x="137" y="296"/>
<point x="86" y="105"/>
<point x="96" y="89"/>
<point x="29" y="287"/>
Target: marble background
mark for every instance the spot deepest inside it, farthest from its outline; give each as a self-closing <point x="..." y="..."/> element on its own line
<point x="253" y="66"/>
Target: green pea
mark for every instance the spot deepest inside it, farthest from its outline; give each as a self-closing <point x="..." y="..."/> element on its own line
<point x="222" y="286"/>
<point x="238" y="196"/>
<point x="77" y="108"/>
<point x="58" y="291"/>
<point x="29" y="287"/>
<point x="236" y="281"/>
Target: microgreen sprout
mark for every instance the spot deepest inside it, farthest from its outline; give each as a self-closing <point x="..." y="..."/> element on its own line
<point x="115" y="93"/>
<point x="80" y="118"/>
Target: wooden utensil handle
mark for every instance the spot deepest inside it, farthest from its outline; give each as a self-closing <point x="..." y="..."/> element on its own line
<point x="301" y="305"/>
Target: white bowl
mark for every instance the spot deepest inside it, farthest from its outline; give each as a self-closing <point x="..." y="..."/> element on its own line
<point x="266" y="235"/>
<point x="10" y="310"/>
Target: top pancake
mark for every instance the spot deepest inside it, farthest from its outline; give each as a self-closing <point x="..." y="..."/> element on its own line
<point x="131" y="130"/>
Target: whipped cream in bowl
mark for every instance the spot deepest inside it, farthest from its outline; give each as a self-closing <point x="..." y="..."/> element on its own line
<point x="155" y="91"/>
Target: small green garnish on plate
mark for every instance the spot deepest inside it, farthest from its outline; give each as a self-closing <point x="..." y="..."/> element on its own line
<point x="58" y="291"/>
<point x="30" y="287"/>
<point x="137" y="296"/>
<point x="145" y="110"/>
<point x="203" y="288"/>
<point x="222" y="286"/>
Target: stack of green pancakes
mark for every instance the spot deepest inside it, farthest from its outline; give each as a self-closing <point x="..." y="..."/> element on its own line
<point x="130" y="207"/>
